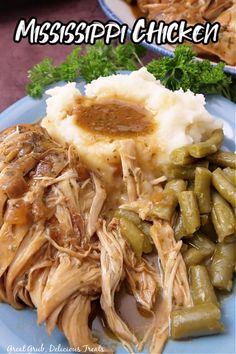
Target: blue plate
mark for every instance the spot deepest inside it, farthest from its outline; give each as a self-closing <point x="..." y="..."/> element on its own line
<point x="121" y="12"/>
<point x="18" y="329"/>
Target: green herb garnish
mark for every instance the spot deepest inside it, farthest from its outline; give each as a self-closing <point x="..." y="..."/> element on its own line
<point x="183" y="71"/>
<point x="180" y="71"/>
<point x="99" y="60"/>
<point x="45" y="73"/>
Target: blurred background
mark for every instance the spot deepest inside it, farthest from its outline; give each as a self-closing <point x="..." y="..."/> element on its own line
<point x="17" y="58"/>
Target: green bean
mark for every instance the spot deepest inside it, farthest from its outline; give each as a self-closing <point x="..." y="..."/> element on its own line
<point x="199" y="320"/>
<point x="230" y="173"/>
<point x="209" y="146"/>
<point x="224" y="186"/>
<point x="193" y="257"/>
<point x="184" y="248"/>
<point x="189" y="210"/>
<point x="202" y="290"/>
<point x="202" y="249"/>
<point x="202" y="185"/>
<point x="202" y="243"/>
<point x="133" y="235"/>
<point x="223" y="159"/>
<point x="176" y="186"/>
<point x="207" y="227"/>
<point x="230" y="239"/>
<point x="222" y="217"/>
<point x="222" y="266"/>
<point x="147" y="245"/>
<point x="181" y="156"/>
<point x="204" y="219"/>
<point x="179" y="229"/>
<point x="165" y="208"/>
<point x="142" y="225"/>
<point x="147" y="242"/>
<point x="128" y="214"/>
<point x="145" y="226"/>
<point x="186" y="172"/>
<point x="172" y="188"/>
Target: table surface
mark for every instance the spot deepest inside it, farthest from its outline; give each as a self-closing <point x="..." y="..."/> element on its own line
<point x="17" y="58"/>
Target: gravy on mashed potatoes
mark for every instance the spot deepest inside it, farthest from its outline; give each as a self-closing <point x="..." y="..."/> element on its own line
<point x="112" y="117"/>
<point x="119" y="107"/>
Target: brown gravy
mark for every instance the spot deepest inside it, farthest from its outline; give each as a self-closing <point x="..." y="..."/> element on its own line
<point x="113" y="117"/>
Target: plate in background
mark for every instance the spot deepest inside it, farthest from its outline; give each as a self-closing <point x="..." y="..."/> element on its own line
<point x="121" y="12"/>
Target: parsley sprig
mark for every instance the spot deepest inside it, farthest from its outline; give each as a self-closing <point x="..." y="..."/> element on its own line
<point x="99" y="60"/>
<point x="183" y="71"/>
<point x="180" y="71"/>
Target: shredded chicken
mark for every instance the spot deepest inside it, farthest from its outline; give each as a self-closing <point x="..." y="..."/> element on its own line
<point x="96" y="206"/>
<point x="47" y="261"/>
<point x="142" y="278"/>
<point x="26" y="253"/>
<point x="176" y="290"/>
<point x="131" y="173"/>
<point x="10" y="238"/>
<point x="74" y="323"/>
<point x="53" y="319"/>
<point x="71" y="277"/>
<point x="164" y="240"/>
<point x="111" y="269"/>
<point x="57" y="256"/>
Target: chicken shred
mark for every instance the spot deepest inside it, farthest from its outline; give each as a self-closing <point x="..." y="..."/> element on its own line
<point x="74" y="323"/>
<point x="142" y="278"/>
<point x="176" y="290"/>
<point x="131" y="173"/>
<point x="57" y="253"/>
<point x="112" y="269"/>
<point x="98" y="201"/>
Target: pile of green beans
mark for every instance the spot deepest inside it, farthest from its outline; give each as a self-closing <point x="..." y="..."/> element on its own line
<point x="205" y="185"/>
<point x="199" y="200"/>
<point x="203" y="180"/>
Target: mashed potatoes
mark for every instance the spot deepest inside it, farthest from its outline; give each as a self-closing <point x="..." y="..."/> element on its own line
<point x="159" y="120"/>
